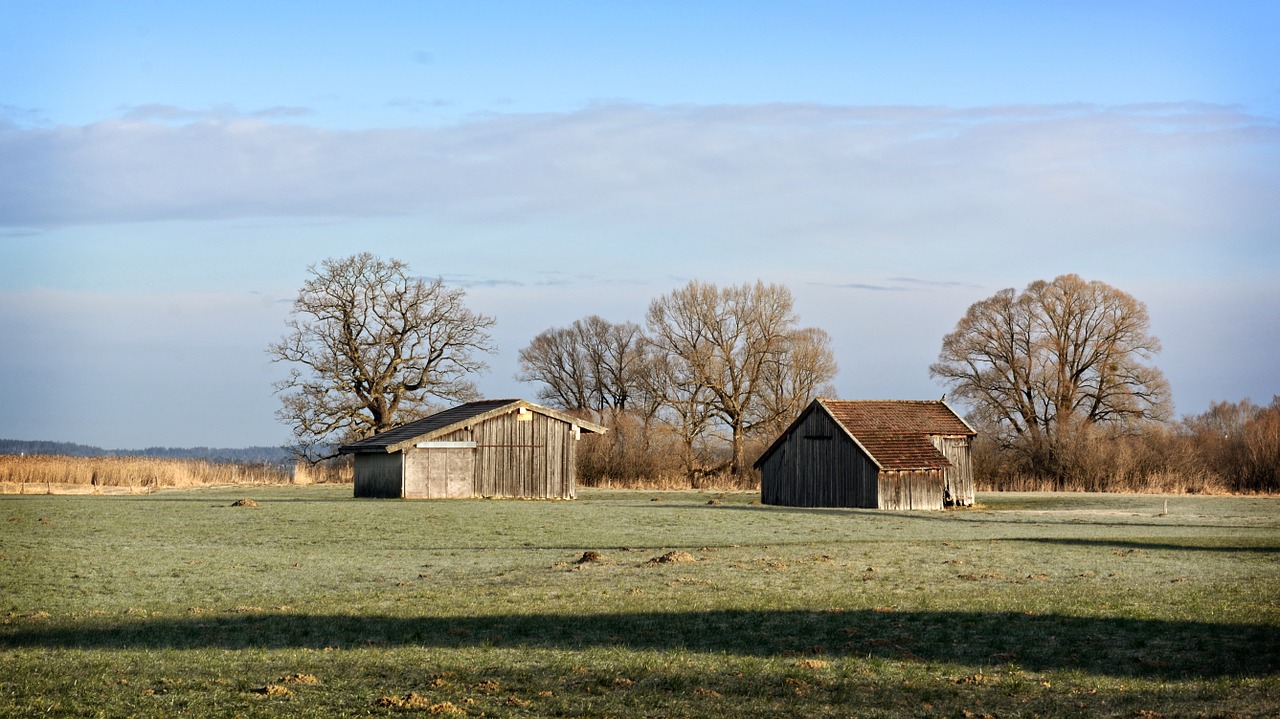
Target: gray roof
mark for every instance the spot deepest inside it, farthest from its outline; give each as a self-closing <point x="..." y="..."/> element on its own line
<point x="398" y="438"/>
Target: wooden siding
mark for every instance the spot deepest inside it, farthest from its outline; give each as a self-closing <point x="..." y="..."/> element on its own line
<point x="818" y="466"/>
<point x="515" y="454"/>
<point x="530" y="455"/>
<point x="957" y="479"/>
<point x="378" y="475"/>
<point x="910" y="489"/>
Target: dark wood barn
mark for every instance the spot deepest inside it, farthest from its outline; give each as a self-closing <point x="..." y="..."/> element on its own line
<point x="881" y="454"/>
<point x="491" y="448"/>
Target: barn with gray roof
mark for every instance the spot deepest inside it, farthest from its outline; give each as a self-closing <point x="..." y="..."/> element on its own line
<point x="490" y="448"/>
<point x="880" y="454"/>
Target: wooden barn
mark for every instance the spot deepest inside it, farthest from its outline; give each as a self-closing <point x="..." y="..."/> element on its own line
<point x="491" y="448"/>
<point x="882" y="454"/>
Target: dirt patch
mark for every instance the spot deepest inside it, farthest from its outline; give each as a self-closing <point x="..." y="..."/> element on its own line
<point x="299" y="679"/>
<point x="244" y="503"/>
<point x="676" y="557"/>
<point x="414" y="702"/>
<point x="980" y="577"/>
<point x="272" y="690"/>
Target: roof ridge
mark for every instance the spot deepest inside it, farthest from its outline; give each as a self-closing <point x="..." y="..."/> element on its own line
<point x="894" y="401"/>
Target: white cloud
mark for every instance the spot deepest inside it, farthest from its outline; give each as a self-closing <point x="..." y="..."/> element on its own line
<point x="886" y="222"/>
<point x="1079" y="174"/>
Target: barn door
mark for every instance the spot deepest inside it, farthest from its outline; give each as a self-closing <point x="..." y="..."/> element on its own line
<point x="441" y="470"/>
<point x="456" y="466"/>
<point x="958" y="478"/>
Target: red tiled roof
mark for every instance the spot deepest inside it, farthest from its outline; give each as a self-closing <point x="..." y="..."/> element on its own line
<point x="896" y="432"/>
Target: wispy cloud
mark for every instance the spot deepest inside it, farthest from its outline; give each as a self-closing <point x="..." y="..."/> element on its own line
<point x="858" y="286"/>
<point x="933" y="283"/>
<point x="1070" y="178"/>
<point x="412" y="105"/>
<point x="22" y="115"/>
<point x="159" y="112"/>
<point x="469" y="281"/>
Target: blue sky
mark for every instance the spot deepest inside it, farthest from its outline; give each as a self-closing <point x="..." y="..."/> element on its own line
<point x="167" y="174"/>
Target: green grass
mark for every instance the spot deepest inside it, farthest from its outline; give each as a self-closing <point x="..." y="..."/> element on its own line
<point x="178" y="603"/>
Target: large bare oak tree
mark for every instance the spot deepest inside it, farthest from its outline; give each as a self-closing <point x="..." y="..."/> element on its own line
<point x="1057" y="357"/>
<point x="372" y="346"/>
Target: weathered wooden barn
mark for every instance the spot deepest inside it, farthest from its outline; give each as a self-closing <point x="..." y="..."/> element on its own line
<point x="491" y="448"/>
<point x="881" y="454"/>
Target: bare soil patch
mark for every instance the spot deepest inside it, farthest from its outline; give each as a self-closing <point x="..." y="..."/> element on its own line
<point x="676" y="557"/>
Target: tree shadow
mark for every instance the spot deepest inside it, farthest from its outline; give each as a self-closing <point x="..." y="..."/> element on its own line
<point x="1138" y="544"/>
<point x="971" y="516"/>
<point x="1100" y="645"/>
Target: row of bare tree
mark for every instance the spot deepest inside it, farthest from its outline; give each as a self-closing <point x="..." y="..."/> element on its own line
<point x="1057" y="378"/>
<point x="713" y="371"/>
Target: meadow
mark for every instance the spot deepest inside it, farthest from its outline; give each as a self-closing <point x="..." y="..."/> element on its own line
<point x="636" y="604"/>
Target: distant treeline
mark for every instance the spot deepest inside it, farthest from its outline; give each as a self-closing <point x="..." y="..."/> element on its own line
<point x="244" y="455"/>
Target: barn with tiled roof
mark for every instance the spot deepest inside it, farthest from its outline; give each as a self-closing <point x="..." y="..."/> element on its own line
<point x="882" y="454"/>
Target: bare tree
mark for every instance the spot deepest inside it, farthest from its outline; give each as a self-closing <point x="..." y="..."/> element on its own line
<point x="1060" y="356"/>
<point x="372" y="346"/>
<point x="557" y="360"/>
<point x="685" y="403"/>
<point x="724" y="344"/>
<point x="1240" y="442"/>
<point x="592" y="364"/>
<point x="802" y="373"/>
<point x="599" y="367"/>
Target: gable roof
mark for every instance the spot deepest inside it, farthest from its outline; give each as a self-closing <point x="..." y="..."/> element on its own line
<point x="452" y="419"/>
<point x="894" y="433"/>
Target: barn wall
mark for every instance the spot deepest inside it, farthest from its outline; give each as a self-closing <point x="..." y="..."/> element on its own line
<point x="911" y="489"/>
<point x="958" y="479"/>
<point x="531" y="457"/>
<point x="378" y="474"/>
<point x="439" y="473"/>
<point x="818" y="466"/>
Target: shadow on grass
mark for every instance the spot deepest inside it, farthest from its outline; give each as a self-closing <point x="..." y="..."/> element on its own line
<point x="1105" y="646"/>
<point x="1139" y="544"/>
<point x="979" y="516"/>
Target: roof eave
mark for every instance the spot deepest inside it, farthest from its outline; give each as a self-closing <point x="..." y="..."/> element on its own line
<point x="849" y="434"/>
<point x="781" y="438"/>
<point x="960" y="417"/>
<point x="512" y="406"/>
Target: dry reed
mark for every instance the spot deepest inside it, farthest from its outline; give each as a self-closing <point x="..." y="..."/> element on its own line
<point x="27" y="474"/>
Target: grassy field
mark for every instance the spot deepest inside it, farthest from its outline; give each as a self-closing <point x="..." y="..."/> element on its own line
<point x="316" y="604"/>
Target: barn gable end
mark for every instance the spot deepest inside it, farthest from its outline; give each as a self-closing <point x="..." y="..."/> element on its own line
<point x="491" y="448"/>
<point x="884" y="454"/>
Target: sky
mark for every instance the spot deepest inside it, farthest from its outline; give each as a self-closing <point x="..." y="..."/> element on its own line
<point x="168" y="173"/>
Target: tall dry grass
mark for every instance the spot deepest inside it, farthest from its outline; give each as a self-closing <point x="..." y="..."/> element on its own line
<point x="28" y="474"/>
<point x="649" y="455"/>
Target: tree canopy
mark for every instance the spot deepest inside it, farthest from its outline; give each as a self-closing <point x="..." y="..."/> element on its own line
<point x="1060" y="355"/>
<point x="371" y="347"/>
